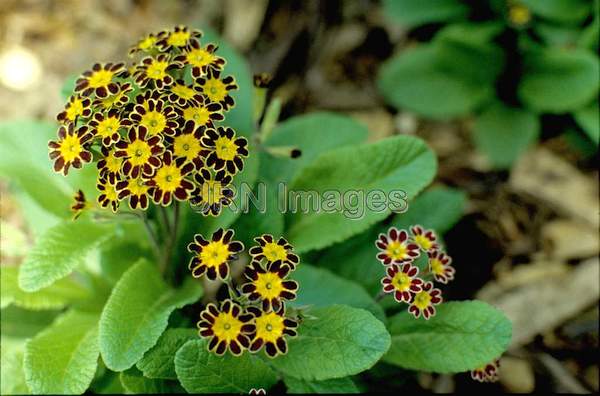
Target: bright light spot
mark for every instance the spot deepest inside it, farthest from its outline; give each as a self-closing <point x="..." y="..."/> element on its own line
<point x="20" y="68"/>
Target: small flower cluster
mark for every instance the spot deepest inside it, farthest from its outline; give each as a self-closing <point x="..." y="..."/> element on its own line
<point x="487" y="373"/>
<point x="255" y="315"/>
<point x="398" y="250"/>
<point x="155" y="128"/>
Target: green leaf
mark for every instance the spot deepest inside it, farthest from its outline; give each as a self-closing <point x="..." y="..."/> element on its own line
<point x="559" y="80"/>
<point x="338" y="291"/>
<point x="336" y="385"/>
<point x="20" y="323"/>
<point x="588" y="119"/>
<point x="158" y="362"/>
<point x="63" y="358"/>
<point x="399" y="163"/>
<point x="417" y="12"/>
<point x="137" y="313"/>
<point x="59" y="251"/>
<point x="134" y="382"/>
<point x="56" y="296"/>
<point x="503" y="134"/>
<point x="200" y="371"/>
<point x="460" y="337"/>
<point x="565" y="11"/>
<point x="342" y="341"/>
<point x="117" y="257"/>
<point x="68" y="86"/>
<point x="11" y="367"/>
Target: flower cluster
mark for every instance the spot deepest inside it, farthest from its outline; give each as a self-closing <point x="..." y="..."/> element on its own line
<point x="255" y="316"/>
<point x="154" y="128"/>
<point x="487" y="373"/>
<point x="398" y="250"/>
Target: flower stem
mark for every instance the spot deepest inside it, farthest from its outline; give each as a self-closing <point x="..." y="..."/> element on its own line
<point x="380" y="296"/>
<point x="151" y="234"/>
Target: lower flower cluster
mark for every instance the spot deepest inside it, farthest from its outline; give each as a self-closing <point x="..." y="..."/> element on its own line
<point x="398" y="250"/>
<point x="254" y="317"/>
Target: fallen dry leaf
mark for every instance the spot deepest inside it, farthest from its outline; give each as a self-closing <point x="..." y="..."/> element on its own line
<point x="567" y="239"/>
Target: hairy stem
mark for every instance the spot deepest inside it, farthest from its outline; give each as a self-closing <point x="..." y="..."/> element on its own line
<point x="151" y="234"/>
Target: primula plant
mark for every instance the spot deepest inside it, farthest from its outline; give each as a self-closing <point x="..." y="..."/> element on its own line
<point x="210" y="248"/>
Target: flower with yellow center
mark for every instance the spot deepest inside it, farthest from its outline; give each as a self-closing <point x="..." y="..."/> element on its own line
<point x="138" y="152"/>
<point x="100" y="78"/>
<point x="214" y="254"/>
<point x="169" y="181"/>
<point x="212" y="257"/>
<point x="224" y="150"/>
<point x="425" y="239"/>
<point x="75" y="109"/>
<point x="137" y="191"/>
<point x="269" y="285"/>
<point x="183" y="91"/>
<point x="422" y="300"/>
<point x="109" y="126"/>
<point x="178" y="39"/>
<point x="402" y="281"/>
<point x="396" y="250"/>
<point x="186" y="146"/>
<point x="215" y="90"/>
<point x="147" y="43"/>
<point x="273" y="250"/>
<point x="106" y="127"/>
<point x="425" y="300"/>
<point x="157" y="70"/>
<point x="199" y="115"/>
<point x="70" y="149"/>
<point x="212" y="193"/>
<point x="270" y="331"/>
<point x="519" y="15"/>
<point x="269" y="327"/>
<point x="154" y="115"/>
<point x="199" y="57"/>
<point x="396" y="247"/>
<point x="168" y="177"/>
<point x="108" y="195"/>
<point x="227" y="327"/>
<point x="440" y="266"/>
<point x="154" y="121"/>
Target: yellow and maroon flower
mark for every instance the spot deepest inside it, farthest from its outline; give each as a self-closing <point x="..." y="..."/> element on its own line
<point x="108" y="194"/>
<point x="424" y="301"/>
<point x="109" y="166"/>
<point x="201" y="59"/>
<point x="203" y="112"/>
<point x="217" y="90"/>
<point x="71" y="149"/>
<point x="106" y="126"/>
<point x="100" y="80"/>
<point x="269" y="285"/>
<point x="402" y="281"/>
<point x="136" y="189"/>
<point x="212" y="257"/>
<point x="155" y="70"/>
<point x="270" y="331"/>
<point x="156" y="117"/>
<point x="183" y="95"/>
<point x="75" y="107"/>
<point x="145" y="44"/>
<point x="143" y="99"/>
<point x="228" y="328"/>
<point x="425" y="239"/>
<point x="396" y="247"/>
<point x="487" y="372"/>
<point x="169" y="181"/>
<point x="117" y="100"/>
<point x="187" y="144"/>
<point x="224" y="150"/>
<point x="179" y="37"/>
<point x="212" y="193"/>
<point x="79" y="205"/>
<point x="273" y="251"/>
<point x="440" y="265"/>
<point x="141" y="152"/>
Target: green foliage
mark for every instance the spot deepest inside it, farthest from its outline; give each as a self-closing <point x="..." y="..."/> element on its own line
<point x="503" y="133"/>
<point x="460" y="337"/>
<point x="398" y="163"/>
<point x="134" y="316"/>
<point x="20" y="323"/>
<point x="59" y="251"/>
<point x="339" y="341"/>
<point x="134" y="382"/>
<point x="566" y="11"/>
<point x="158" y="362"/>
<point x="62" y="359"/>
<point x="200" y="371"/>
<point x="336" y="385"/>
<point x="11" y="367"/>
<point x="417" y="12"/>
<point x="589" y="120"/>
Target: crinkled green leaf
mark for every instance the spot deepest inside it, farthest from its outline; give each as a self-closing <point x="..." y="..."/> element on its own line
<point x="460" y="337"/>
<point x="338" y="290"/>
<point x="502" y="134"/>
<point x="566" y="11"/>
<point x="59" y="251"/>
<point x="400" y="163"/>
<point x="55" y="296"/>
<point x="63" y="358"/>
<point x="158" y="362"/>
<point x="11" y="367"/>
<point x="417" y="12"/>
<point x="341" y="341"/>
<point x="134" y="382"/>
<point x="336" y="385"/>
<point x="137" y="313"/>
<point x="588" y="119"/>
<point x="200" y="371"/>
<point x="558" y="80"/>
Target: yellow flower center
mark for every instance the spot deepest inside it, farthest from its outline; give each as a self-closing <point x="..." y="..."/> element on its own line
<point x="215" y="90"/>
<point x="268" y="285"/>
<point x="227" y="327"/>
<point x="108" y="126"/>
<point x="75" y="109"/>
<point x="186" y="146"/>
<point x="422" y="300"/>
<point x="168" y="178"/>
<point x="111" y="192"/>
<point x="225" y="148"/>
<point x="112" y="100"/>
<point x="154" y="121"/>
<point x="214" y="254"/>
<point x="519" y="14"/>
<point x="138" y="152"/>
<point x="157" y="70"/>
<point x="401" y="281"/>
<point x="396" y="250"/>
<point x="212" y="191"/>
<point x="113" y="164"/>
<point x="423" y="242"/>
<point x="178" y="39"/>
<point x="269" y="327"/>
<point x="437" y="267"/>
<point x="274" y="252"/>
<point x="182" y="91"/>
<point x="70" y="148"/>
<point x="137" y="187"/>
<point x="200" y="115"/>
<point x="100" y="78"/>
<point x="147" y="43"/>
<point x="199" y="57"/>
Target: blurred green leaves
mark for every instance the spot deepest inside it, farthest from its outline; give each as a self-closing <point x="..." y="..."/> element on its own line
<point x="416" y="12"/>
